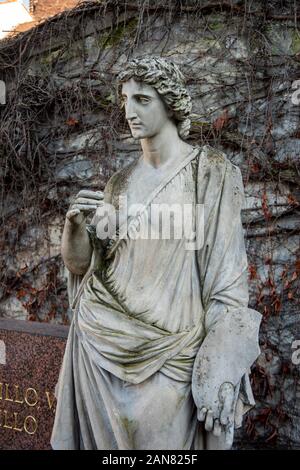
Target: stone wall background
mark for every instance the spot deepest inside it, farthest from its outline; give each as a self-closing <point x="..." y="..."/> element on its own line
<point x="62" y="130"/>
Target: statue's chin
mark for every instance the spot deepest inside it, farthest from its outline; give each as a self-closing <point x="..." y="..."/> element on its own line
<point x="139" y="134"/>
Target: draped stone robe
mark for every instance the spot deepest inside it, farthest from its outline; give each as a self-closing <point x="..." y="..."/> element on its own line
<point x="158" y="328"/>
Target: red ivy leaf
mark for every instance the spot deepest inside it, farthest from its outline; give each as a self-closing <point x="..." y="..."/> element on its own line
<point x="72" y="122"/>
<point x="221" y="121"/>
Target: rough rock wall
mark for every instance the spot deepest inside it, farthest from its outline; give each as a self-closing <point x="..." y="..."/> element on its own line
<point x="62" y="131"/>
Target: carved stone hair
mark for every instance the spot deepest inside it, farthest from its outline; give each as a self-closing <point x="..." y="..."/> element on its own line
<point x="168" y="81"/>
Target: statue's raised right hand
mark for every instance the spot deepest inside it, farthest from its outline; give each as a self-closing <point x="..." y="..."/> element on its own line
<point x="83" y="204"/>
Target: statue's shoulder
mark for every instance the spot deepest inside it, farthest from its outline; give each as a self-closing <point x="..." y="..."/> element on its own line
<point x="117" y="183"/>
<point x="215" y="163"/>
<point x="213" y="155"/>
<point x="215" y="158"/>
<point x="218" y="173"/>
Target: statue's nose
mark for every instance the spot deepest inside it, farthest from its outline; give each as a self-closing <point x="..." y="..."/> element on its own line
<point x="130" y="111"/>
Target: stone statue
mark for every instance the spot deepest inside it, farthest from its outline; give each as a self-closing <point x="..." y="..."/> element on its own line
<point x="162" y="339"/>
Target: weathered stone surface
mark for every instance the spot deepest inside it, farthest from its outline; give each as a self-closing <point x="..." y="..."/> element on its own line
<point x="288" y="149"/>
<point x="13" y="308"/>
<point x="78" y="168"/>
<point x="265" y="200"/>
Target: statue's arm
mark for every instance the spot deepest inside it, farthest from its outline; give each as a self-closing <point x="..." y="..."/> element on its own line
<point x="76" y="249"/>
<point x="231" y="343"/>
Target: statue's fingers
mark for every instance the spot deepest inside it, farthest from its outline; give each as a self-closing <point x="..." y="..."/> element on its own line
<point x="84" y="207"/>
<point x="72" y="213"/>
<point x="87" y="201"/>
<point x="90" y="194"/>
<point x="227" y="394"/>
<point x="201" y="414"/>
<point x="226" y="390"/>
<point x="229" y="433"/>
<point x="238" y="415"/>
<point x="217" y="428"/>
<point x="76" y="216"/>
<point x="209" y="422"/>
<point x="226" y="415"/>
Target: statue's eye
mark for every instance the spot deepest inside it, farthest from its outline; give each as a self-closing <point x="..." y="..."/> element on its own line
<point x="143" y="100"/>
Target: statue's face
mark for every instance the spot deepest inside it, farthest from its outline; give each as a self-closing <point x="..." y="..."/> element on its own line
<point x="146" y="112"/>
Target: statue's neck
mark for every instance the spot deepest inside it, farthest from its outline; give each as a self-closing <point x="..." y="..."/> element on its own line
<point x="163" y="147"/>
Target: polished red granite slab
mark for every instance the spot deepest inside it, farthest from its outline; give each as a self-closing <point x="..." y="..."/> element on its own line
<point x="30" y="359"/>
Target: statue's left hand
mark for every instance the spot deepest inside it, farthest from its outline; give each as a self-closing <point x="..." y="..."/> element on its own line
<point x="225" y="418"/>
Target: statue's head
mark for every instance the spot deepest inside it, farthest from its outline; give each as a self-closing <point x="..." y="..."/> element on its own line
<point x="153" y="91"/>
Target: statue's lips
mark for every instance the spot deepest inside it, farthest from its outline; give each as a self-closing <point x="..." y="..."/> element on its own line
<point x="135" y="126"/>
